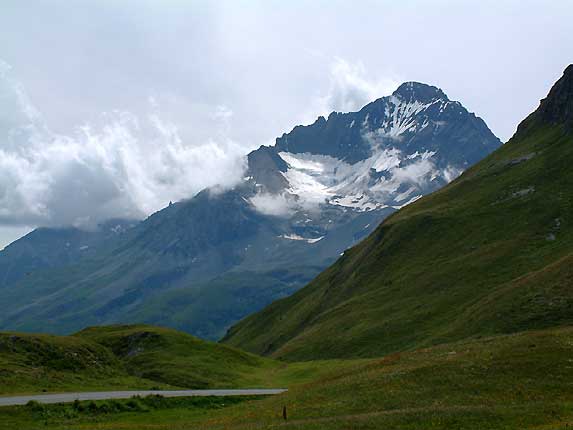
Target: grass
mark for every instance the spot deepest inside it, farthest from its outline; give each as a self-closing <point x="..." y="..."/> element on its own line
<point x="147" y="411"/>
<point x="139" y="357"/>
<point x="489" y="254"/>
<point x="176" y="358"/>
<point x="511" y="381"/>
<point x="32" y="363"/>
<point x="519" y="381"/>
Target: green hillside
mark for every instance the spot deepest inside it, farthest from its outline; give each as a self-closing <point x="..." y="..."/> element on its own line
<point x="175" y="358"/>
<point x="519" y="381"/>
<point x="34" y="363"/>
<point x="490" y="253"/>
<point x="123" y="357"/>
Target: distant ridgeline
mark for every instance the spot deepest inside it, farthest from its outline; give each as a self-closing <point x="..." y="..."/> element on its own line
<point x="490" y="253"/>
<point x="201" y="265"/>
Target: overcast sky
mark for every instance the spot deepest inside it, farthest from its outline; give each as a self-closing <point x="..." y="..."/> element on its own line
<point x="114" y="108"/>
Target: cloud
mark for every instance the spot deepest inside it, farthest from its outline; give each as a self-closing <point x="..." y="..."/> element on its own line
<point x="273" y="204"/>
<point x="126" y="165"/>
<point x="351" y="87"/>
<point x="414" y="173"/>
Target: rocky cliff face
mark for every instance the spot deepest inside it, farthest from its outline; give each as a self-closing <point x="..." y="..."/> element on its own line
<point x="556" y="108"/>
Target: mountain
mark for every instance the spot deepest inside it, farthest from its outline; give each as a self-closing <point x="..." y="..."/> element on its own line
<point x="490" y="253"/>
<point x="46" y="248"/>
<point x="202" y="264"/>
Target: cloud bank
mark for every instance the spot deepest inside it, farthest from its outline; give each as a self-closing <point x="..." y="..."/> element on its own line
<point x="127" y="165"/>
<point x="124" y="166"/>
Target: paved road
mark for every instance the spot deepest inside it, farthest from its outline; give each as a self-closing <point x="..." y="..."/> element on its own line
<point x="104" y="395"/>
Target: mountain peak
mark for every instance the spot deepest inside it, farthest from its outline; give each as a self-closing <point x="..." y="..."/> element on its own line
<point x="557" y="107"/>
<point x="410" y="91"/>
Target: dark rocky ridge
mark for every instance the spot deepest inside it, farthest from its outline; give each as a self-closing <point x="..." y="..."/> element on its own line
<point x="416" y="91"/>
<point x="556" y="108"/>
<point x="453" y="130"/>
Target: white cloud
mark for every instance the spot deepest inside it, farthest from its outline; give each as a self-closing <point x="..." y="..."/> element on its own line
<point x="273" y="204"/>
<point x="128" y="166"/>
<point x="414" y="173"/>
<point x="351" y="87"/>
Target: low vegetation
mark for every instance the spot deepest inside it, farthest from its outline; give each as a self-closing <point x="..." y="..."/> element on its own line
<point x="124" y="357"/>
<point x="520" y="381"/>
<point x="137" y="412"/>
<point x="502" y="382"/>
<point x="139" y="357"/>
<point x="31" y="363"/>
<point x="175" y="358"/>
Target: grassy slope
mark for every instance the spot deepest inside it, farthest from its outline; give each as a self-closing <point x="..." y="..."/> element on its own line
<point x="176" y="358"/>
<point x="139" y="357"/>
<point x="33" y="363"/>
<point x="136" y="357"/>
<point x="475" y="258"/>
<point x="520" y="381"/>
<point x="509" y="381"/>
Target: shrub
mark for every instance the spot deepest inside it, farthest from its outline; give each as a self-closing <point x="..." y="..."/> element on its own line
<point x="35" y="406"/>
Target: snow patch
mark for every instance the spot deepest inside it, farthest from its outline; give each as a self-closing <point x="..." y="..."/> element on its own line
<point x="300" y="238"/>
<point x="412" y="200"/>
<point x="390" y="178"/>
<point x="318" y="179"/>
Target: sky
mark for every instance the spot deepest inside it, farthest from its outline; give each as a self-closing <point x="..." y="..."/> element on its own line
<point x="113" y="108"/>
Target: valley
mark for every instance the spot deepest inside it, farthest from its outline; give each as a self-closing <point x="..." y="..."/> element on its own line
<point x="396" y="267"/>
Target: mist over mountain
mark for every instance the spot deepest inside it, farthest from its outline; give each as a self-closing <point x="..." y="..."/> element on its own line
<point x="119" y="165"/>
